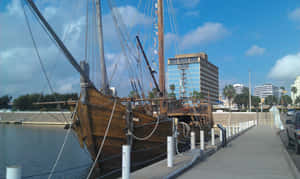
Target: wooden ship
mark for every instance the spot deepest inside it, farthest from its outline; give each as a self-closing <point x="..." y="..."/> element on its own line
<point x="104" y="122"/>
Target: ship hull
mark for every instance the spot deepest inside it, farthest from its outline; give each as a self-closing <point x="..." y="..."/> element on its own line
<point x="91" y="122"/>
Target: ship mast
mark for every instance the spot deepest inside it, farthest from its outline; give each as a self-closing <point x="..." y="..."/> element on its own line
<point x="162" y="84"/>
<point x="104" y="81"/>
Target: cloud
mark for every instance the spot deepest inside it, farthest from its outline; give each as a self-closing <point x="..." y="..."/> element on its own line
<point x="295" y="15"/>
<point x="14" y="8"/>
<point x="190" y="3"/>
<point x="209" y="32"/>
<point x="192" y="13"/>
<point x="132" y="17"/>
<point x="20" y="71"/>
<point x="286" y="68"/>
<point x="255" y="50"/>
<point x="49" y="12"/>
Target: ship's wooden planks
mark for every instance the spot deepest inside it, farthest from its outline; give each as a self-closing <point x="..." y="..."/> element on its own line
<point x="100" y="108"/>
<point x="97" y="112"/>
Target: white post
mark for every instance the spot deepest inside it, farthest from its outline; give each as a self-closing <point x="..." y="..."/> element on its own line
<point x="126" y="162"/>
<point x="233" y="130"/>
<point x="170" y="149"/>
<point x="229" y="131"/>
<point x="202" y="140"/>
<point x="212" y="136"/>
<point x="193" y="140"/>
<point x="221" y="136"/>
<point x="13" y="172"/>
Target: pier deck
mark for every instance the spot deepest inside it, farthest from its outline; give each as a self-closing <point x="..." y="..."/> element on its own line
<point x="258" y="153"/>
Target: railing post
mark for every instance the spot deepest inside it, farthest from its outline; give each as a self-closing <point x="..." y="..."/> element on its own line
<point x="202" y="140"/>
<point x="193" y="140"/>
<point x="13" y="172"/>
<point x="212" y="136"/>
<point x="170" y="149"/>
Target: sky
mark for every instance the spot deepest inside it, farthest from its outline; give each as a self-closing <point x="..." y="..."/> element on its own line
<point x="238" y="36"/>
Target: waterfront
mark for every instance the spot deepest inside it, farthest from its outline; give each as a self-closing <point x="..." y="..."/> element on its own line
<point x="35" y="148"/>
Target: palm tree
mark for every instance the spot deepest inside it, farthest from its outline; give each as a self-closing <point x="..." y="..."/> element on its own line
<point x="172" y="94"/>
<point x="297" y="101"/>
<point x="172" y="88"/>
<point x="197" y="96"/>
<point x="294" y="90"/>
<point x="282" y="89"/>
<point x="229" y="93"/>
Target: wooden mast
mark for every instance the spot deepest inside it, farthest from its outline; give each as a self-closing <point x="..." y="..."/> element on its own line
<point x="162" y="84"/>
<point x="104" y="81"/>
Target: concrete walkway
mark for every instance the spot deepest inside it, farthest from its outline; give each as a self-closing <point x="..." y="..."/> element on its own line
<point x="257" y="154"/>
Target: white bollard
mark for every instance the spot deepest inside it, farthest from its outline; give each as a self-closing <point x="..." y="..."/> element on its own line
<point x="202" y="140"/>
<point x="227" y="132"/>
<point x="193" y="140"/>
<point x="212" y="136"/>
<point x="170" y="151"/>
<point x="13" y="172"/>
<point x="221" y="136"/>
<point x="126" y="162"/>
<point x="233" y="130"/>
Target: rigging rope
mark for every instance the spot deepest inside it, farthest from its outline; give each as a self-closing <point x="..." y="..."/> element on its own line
<point x="39" y="57"/>
<point x="103" y="140"/>
<point x="147" y="137"/>
<point x="64" y="143"/>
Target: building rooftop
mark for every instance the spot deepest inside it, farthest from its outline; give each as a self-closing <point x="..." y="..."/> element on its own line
<point x="202" y="55"/>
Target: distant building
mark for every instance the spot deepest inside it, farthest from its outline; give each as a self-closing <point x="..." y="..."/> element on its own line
<point x="193" y="72"/>
<point x="297" y="85"/>
<point x="266" y="90"/>
<point x="238" y="88"/>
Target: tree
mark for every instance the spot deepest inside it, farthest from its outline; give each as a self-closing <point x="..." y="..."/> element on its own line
<point x="255" y="101"/>
<point x="4" y="100"/>
<point x="297" y="101"/>
<point x="229" y="93"/>
<point x="133" y="94"/>
<point x="282" y="88"/>
<point x="197" y="96"/>
<point x="243" y="98"/>
<point x="286" y="100"/>
<point x="172" y="87"/>
<point x="270" y="100"/>
<point x="172" y="94"/>
<point x="26" y="102"/>
<point x="294" y="89"/>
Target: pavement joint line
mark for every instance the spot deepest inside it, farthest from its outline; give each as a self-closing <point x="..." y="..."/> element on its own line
<point x="289" y="160"/>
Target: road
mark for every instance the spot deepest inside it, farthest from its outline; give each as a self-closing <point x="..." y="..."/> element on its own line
<point x="290" y="149"/>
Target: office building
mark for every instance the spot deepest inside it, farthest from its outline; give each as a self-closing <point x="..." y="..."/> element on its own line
<point x="193" y="72"/>
<point x="266" y="90"/>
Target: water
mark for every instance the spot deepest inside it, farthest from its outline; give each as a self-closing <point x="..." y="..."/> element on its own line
<point x="35" y="148"/>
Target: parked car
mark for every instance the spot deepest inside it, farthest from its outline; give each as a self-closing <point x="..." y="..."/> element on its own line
<point x="291" y="112"/>
<point x="293" y="131"/>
